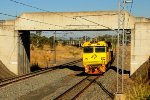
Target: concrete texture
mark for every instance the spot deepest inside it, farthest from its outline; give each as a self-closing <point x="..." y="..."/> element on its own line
<point x="144" y="71"/>
<point x="9" y="46"/>
<point x="73" y="21"/>
<point x="12" y="48"/>
<point x="4" y="72"/>
<point x="140" y="49"/>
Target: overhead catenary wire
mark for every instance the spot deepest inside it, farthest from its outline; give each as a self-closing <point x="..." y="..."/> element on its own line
<point x="99" y="24"/>
<point x="53" y="13"/>
<point x="24" y="4"/>
<point x="38" y="8"/>
<point x="5" y="14"/>
<point x="21" y="3"/>
<point x="27" y="5"/>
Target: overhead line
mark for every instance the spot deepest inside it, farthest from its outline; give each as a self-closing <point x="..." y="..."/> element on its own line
<point x="39" y="8"/>
<point x="55" y="12"/>
<point x="43" y="10"/>
<point x="96" y="15"/>
<point x="61" y="15"/>
<point x="98" y="24"/>
<point x="30" y="20"/>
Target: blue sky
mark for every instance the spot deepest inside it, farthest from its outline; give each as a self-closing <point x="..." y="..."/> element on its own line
<point x="140" y="7"/>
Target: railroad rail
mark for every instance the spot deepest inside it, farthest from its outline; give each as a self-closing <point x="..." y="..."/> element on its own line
<point x="22" y="77"/>
<point x="76" y="90"/>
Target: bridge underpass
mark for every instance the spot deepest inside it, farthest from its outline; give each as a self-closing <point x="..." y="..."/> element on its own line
<point x="100" y="20"/>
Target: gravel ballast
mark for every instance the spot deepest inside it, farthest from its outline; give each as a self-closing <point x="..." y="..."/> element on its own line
<point x="17" y="89"/>
<point x="104" y="88"/>
<point x="53" y="90"/>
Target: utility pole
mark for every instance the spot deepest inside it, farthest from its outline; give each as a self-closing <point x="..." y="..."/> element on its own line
<point x="121" y="41"/>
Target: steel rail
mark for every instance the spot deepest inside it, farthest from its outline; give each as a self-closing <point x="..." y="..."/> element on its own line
<point x="33" y="74"/>
<point x="85" y="88"/>
<point x="75" y="86"/>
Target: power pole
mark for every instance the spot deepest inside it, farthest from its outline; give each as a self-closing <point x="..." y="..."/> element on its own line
<point x="121" y="41"/>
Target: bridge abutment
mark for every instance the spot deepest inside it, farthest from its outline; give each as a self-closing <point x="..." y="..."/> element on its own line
<point x="14" y="48"/>
<point x="140" y="48"/>
<point x="24" y="52"/>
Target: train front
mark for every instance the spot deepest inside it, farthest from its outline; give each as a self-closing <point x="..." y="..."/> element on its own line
<point x="94" y="57"/>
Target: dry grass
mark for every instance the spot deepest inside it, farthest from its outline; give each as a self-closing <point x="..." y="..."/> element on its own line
<point x="139" y="91"/>
<point x="45" y="57"/>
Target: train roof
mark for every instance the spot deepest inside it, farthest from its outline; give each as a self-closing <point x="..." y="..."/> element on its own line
<point x="97" y="43"/>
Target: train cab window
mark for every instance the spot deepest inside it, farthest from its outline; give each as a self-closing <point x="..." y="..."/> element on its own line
<point x="100" y="49"/>
<point x="88" y="49"/>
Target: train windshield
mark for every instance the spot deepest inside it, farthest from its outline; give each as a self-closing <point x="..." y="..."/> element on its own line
<point x="88" y="49"/>
<point x="100" y="49"/>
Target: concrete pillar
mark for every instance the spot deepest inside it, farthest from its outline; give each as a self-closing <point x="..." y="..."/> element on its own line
<point x="140" y="45"/>
<point x="24" y="52"/>
<point x="133" y="62"/>
<point x="9" y="48"/>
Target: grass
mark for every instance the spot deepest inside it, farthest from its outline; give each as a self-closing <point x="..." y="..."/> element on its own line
<point x="139" y="91"/>
<point x="45" y="57"/>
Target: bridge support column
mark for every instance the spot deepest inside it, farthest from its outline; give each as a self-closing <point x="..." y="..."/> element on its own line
<point x="140" y="46"/>
<point x="24" y="52"/>
<point x="9" y="48"/>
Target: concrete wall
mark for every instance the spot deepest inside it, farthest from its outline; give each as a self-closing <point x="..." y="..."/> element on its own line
<point x="140" y="45"/>
<point x="9" y="46"/>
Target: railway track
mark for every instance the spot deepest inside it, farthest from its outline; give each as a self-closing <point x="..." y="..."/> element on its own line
<point x="33" y="74"/>
<point x="75" y="91"/>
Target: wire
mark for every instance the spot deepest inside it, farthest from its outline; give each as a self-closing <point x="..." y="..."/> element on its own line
<point x="99" y="24"/>
<point x="43" y="10"/>
<point x="39" y="8"/>
<point x="30" y="20"/>
<point x="55" y="12"/>
<point x="96" y="15"/>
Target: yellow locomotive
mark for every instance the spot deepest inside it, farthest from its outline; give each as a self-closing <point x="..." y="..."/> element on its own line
<point x="97" y="56"/>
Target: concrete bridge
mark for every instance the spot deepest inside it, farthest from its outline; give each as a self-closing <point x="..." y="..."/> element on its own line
<point x="14" y="34"/>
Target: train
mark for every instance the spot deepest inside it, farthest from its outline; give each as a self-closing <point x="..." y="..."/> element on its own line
<point x="97" y="56"/>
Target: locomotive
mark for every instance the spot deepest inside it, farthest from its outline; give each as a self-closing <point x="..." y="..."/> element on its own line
<point x="97" y="56"/>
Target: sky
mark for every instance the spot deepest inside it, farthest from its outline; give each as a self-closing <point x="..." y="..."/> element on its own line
<point x="140" y="8"/>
